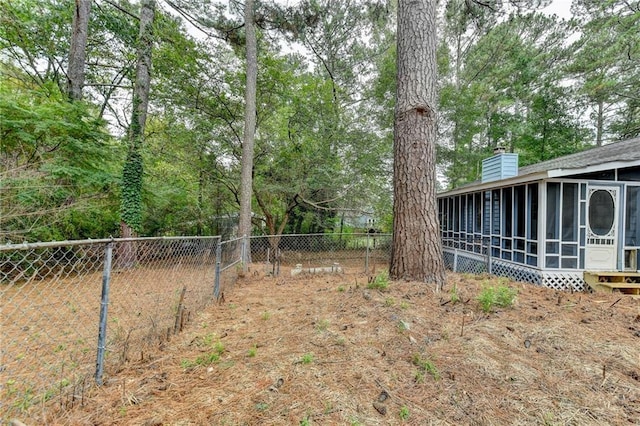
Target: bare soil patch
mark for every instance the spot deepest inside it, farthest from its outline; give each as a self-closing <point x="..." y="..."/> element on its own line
<point x="325" y="349"/>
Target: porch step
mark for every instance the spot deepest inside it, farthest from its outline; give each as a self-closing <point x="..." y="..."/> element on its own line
<point x="608" y="282"/>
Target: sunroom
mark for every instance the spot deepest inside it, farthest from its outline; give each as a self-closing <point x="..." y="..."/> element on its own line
<point x="552" y="223"/>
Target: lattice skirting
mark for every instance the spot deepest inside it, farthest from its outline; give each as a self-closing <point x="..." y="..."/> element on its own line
<point x="564" y="280"/>
<point x="472" y="263"/>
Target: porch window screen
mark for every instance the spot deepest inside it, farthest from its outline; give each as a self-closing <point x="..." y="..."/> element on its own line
<point x="632" y="217"/>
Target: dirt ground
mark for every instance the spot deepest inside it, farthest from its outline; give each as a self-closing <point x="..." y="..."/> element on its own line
<point x="326" y="349"/>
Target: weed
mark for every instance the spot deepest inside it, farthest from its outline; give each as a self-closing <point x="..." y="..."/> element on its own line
<point x="262" y="406"/>
<point x="266" y="315"/>
<point x="322" y="325"/>
<point x="404" y="413"/>
<point x="206" y="359"/>
<point x="25" y="401"/>
<point x="341" y="289"/>
<point x="252" y="351"/>
<point x="353" y="421"/>
<point x="341" y="341"/>
<point x="453" y="294"/>
<point x="403" y="325"/>
<point x="380" y="282"/>
<point x="490" y="297"/>
<point x="10" y="386"/>
<point x="389" y="301"/>
<point x="305" y="422"/>
<point x="425" y="365"/>
<point x="404" y="305"/>
<point x="307" y="358"/>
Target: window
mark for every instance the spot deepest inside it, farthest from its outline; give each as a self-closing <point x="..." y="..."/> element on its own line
<point x="601" y="212"/>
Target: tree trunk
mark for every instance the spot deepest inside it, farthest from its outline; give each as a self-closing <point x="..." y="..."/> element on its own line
<point x="244" y="225"/>
<point x="600" y="122"/>
<point x="77" y="51"/>
<point x="131" y="207"/>
<point x="416" y="251"/>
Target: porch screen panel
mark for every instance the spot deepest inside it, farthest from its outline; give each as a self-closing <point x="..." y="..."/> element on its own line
<point x="486" y="214"/>
<point x="519" y="211"/>
<point x="570" y="212"/>
<point x="519" y="225"/>
<point x="553" y="208"/>
<point x="532" y="224"/>
<point x="632" y="217"/>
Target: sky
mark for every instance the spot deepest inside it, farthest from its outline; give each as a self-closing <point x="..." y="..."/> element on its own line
<point x="562" y="8"/>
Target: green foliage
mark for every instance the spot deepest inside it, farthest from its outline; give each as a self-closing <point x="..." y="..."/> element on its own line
<point x="501" y="296"/>
<point x="252" y="351"/>
<point x="307" y="358"/>
<point x="404" y="413"/>
<point x="322" y="325"/>
<point x="305" y="422"/>
<point x="131" y="204"/>
<point x="379" y="282"/>
<point x="425" y="365"/>
<point x="212" y="357"/>
<point x="59" y="164"/>
<point x="453" y="294"/>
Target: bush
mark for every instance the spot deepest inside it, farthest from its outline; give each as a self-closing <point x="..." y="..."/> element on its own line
<point x="502" y="297"/>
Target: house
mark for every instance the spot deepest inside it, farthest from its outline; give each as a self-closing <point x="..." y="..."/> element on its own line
<point x="560" y="223"/>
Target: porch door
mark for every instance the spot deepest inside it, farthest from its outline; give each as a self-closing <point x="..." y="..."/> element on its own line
<point x="602" y="228"/>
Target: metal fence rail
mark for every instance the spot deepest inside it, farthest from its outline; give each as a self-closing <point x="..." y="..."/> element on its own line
<point x="61" y="303"/>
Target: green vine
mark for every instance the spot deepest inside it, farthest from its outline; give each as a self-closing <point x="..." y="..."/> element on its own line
<point x="131" y="204"/>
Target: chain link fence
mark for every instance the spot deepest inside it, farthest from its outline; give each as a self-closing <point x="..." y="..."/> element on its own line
<point x="312" y="253"/>
<point x="63" y="303"/>
<point x="72" y="313"/>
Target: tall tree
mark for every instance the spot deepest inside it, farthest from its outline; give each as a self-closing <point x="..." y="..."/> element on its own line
<point x="244" y="226"/>
<point x="77" y="51"/>
<point x="131" y="207"/>
<point x="416" y="251"/>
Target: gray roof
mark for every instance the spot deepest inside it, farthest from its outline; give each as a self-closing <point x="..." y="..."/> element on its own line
<point x="610" y="156"/>
<point x="628" y="150"/>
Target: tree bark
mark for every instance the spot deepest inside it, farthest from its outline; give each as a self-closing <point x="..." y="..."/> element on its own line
<point x="244" y="225"/>
<point x="416" y="250"/>
<point x="131" y="208"/>
<point x="77" y="50"/>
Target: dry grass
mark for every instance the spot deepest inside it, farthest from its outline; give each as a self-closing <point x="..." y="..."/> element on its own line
<point x="326" y="350"/>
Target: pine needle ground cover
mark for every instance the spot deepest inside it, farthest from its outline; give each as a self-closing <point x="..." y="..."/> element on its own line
<point x="326" y="349"/>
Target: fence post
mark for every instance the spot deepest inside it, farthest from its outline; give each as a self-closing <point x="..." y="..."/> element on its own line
<point x="104" y="303"/>
<point x="216" y="286"/>
<point x="366" y="258"/>
<point x="455" y="260"/>
<point x="245" y="258"/>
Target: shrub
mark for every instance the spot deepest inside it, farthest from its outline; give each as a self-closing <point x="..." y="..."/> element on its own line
<point x="379" y="282"/>
<point x="502" y="297"/>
